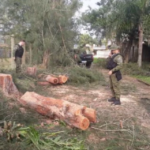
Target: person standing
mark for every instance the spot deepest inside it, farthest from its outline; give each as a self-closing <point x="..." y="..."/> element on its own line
<point x="114" y="65"/>
<point x="18" y="56"/>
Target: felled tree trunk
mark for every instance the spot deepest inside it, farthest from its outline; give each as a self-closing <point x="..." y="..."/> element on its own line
<point x="73" y="114"/>
<point x="61" y="79"/>
<point x="52" y="79"/>
<point x="31" y="71"/>
<point x="7" y="85"/>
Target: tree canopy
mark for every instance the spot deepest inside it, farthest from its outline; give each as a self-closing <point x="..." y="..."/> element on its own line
<point x="48" y="27"/>
<point x="124" y="20"/>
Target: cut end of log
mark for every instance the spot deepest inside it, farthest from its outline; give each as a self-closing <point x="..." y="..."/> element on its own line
<point x="82" y="123"/>
<point x="85" y="124"/>
<point x="75" y="115"/>
<point x="55" y="81"/>
<point x="90" y="114"/>
<point x="62" y="79"/>
<point x="52" y="79"/>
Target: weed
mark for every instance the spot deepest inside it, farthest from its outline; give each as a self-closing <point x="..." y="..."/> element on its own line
<point x="80" y="76"/>
<point x="100" y="62"/>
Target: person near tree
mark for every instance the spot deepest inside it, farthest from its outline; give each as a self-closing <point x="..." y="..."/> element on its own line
<point x="114" y="65"/>
<point x="18" y="56"/>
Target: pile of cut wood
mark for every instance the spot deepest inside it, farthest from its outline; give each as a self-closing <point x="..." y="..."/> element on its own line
<point x="52" y="79"/>
<point x="73" y="114"/>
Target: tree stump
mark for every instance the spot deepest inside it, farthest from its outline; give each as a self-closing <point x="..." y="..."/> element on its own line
<point x="73" y="114"/>
<point x="7" y="85"/>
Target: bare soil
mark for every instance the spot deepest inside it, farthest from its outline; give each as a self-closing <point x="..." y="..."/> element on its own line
<point x="135" y="99"/>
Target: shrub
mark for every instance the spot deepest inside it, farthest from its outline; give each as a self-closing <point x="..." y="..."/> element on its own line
<point x="78" y="75"/>
<point x="100" y="62"/>
<point x="133" y="69"/>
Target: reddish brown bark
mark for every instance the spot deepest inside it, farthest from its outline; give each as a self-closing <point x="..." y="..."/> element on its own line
<point x="73" y="114"/>
<point x="7" y="85"/>
<point x="52" y="79"/>
<point x="43" y="83"/>
<point x="62" y="79"/>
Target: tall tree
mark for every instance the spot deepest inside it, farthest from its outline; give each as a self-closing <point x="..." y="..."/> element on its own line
<point x="47" y="25"/>
<point x="119" y="17"/>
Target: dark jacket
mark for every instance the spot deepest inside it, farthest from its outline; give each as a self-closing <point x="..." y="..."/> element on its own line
<point x="19" y="51"/>
<point x="111" y="65"/>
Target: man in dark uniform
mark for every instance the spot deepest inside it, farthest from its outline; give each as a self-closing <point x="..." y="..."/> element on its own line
<point x="18" y="56"/>
<point x="114" y="65"/>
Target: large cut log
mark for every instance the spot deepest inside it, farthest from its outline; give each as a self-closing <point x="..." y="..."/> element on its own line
<point x="62" y="79"/>
<point x="52" y="79"/>
<point x="73" y="114"/>
<point x="7" y="85"/>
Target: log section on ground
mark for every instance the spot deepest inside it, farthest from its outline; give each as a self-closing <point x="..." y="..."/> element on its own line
<point x="31" y="71"/>
<point x="73" y="114"/>
<point x="52" y="79"/>
<point x="8" y="86"/>
<point x="61" y="79"/>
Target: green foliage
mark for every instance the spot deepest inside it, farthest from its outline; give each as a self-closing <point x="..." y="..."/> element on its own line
<point x="133" y="69"/>
<point x="81" y="76"/>
<point x="47" y="26"/>
<point x="100" y="62"/>
<point x="122" y="20"/>
<point x="144" y="79"/>
<point x="86" y="39"/>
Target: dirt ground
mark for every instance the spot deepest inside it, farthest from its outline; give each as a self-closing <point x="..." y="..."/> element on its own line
<point x="135" y="99"/>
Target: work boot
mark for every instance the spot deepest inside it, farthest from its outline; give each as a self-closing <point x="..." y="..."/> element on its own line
<point x="112" y="99"/>
<point x="116" y="102"/>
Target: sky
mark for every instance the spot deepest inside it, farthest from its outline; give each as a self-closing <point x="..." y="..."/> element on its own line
<point x="86" y="3"/>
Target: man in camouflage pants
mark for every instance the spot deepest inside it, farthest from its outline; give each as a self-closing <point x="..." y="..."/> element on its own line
<point x="18" y="56"/>
<point x="114" y="65"/>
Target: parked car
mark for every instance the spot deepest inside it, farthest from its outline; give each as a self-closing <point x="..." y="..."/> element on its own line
<point x="86" y="59"/>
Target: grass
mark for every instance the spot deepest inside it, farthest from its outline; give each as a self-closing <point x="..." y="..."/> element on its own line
<point x="144" y="79"/>
<point x="81" y="76"/>
<point x="128" y="88"/>
<point x="100" y="62"/>
<point x="106" y="134"/>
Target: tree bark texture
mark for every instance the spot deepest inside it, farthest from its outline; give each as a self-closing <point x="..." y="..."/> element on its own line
<point x="73" y="114"/>
<point x="45" y="58"/>
<point x="7" y="85"/>
<point x="140" y="45"/>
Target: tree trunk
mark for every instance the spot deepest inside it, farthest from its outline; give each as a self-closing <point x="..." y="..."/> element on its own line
<point x="45" y="59"/>
<point x="30" y="49"/>
<point x="7" y="85"/>
<point x="12" y="51"/>
<point x="140" y="45"/>
<point x="52" y="79"/>
<point x="61" y="79"/>
<point x="24" y="56"/>
<point x="73" y="114"/>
